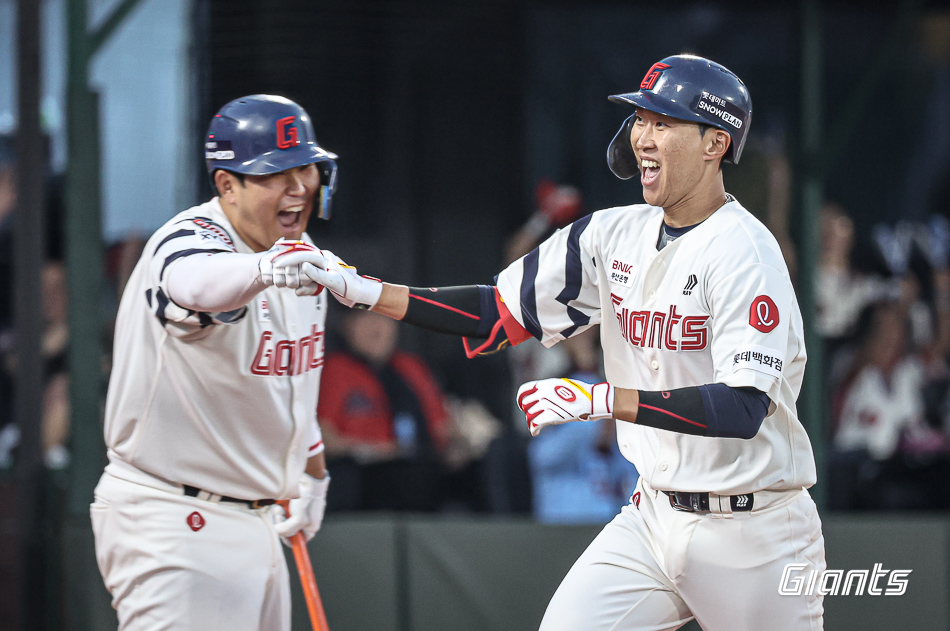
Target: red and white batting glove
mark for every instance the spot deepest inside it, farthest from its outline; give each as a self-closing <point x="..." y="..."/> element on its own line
<point x="555" y="401"/>
<point x="347" y="286"/>
<point x="306" y="511"/>
<point x="280" y="266"/>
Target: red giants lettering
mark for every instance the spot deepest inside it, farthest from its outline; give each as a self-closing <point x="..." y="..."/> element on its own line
<point x="288" y="358"/>
<point x="656" y="329"/>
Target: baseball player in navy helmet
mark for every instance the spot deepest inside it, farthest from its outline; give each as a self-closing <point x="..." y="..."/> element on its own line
<point x="210" y="414"/>
<point x="704" y="355"/>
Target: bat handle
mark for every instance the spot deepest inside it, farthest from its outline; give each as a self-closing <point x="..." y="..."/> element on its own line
<point x="318" y="617"/>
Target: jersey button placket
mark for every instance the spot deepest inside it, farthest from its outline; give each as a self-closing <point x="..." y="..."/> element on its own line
<point x="655" y="365"/>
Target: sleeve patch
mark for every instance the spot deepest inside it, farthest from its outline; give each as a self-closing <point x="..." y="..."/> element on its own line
<point x="763" y="315"/>
<point x="760" y="359"/>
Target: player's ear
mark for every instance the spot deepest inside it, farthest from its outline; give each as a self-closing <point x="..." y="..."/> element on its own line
<point x="224" y="182"/>
<point x="715" y="143"/>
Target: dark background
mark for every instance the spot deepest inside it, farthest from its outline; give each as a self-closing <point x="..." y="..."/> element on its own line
<point x="446" y="114"/>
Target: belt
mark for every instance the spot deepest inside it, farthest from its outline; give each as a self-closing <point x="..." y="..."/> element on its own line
<point x="699" y="502"/>
<point x="193" y="491"/>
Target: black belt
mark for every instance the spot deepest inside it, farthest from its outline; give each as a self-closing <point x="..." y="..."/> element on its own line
<point x="193" y="491"/>
<point x="699" y="502"/>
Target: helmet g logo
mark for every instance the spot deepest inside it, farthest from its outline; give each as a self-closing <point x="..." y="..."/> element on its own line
<point x="286" y="133"/>
<point x="649" y="80"/>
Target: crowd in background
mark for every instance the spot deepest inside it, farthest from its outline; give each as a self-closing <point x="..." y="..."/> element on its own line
<point x="885" y="321"/>
<point x="396" y="441"/>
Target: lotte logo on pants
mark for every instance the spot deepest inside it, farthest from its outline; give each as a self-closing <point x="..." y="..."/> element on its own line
<point x="195" y="521"/>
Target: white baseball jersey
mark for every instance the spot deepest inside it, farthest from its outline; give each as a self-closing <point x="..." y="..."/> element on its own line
<point x="714" y="306"/>
<point x="224" y="402"/>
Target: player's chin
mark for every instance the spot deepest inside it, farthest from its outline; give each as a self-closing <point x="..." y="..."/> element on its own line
<point x="652" y="196"/>
<point x="291" y="225"/>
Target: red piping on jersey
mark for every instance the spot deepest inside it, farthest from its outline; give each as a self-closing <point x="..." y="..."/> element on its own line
<point x="444" y="306"/>
<point x="668" y="413"/>
<point x="315" y="445"/>
<point x="472" y="353"/>
<point x="514" y="332"/>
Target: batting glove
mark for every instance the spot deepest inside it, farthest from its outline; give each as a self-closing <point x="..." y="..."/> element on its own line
<point x="306" y="511"/>
<point x="280" y="266"/>
<point x="348" y="287"/>
<point x="555" y="401"/>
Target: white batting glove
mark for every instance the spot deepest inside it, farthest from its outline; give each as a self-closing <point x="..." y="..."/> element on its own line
<point x="306" y="511"/>
<point x="280" y="266"/>
<point x="555" y="401"/>
<point x="349" y="288"/>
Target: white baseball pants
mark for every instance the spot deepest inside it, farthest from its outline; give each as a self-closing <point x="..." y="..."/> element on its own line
<point x="655" y="568"/>
<point x="166" y="568"/>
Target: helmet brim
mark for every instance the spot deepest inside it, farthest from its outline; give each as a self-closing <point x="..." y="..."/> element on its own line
<point x="658" y="105"/>
<point x="280" y="160"/>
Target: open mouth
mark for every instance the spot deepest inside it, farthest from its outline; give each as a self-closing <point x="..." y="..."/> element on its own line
<point x="290" y="217"/>
<point x="649" y="171"/>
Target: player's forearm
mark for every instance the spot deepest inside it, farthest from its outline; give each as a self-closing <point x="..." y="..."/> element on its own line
<point x="317" y="466"/>
<point x="713" y="410"/>
<point x="216" y="282"/>
<point x="467" y="310"/>
<point x="393" y="301"/>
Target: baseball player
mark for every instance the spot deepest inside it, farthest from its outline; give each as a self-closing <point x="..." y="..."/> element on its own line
<point x="210" y="414"/>
<point x="704" y="355"/>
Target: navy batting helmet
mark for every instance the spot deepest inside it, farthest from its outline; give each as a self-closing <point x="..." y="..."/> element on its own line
<point x="263" y="134"/>
<point x="689" y="88"/>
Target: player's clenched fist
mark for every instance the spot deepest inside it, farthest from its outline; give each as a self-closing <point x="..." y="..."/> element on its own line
<point x="556" y="401"/>
<point x="280" y="266"/>
<point x="346" y="285"/>
<point x="306" y="511"/>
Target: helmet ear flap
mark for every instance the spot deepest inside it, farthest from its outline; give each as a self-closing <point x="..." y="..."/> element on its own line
<point x="327" y="187"/>
<point x="620" y="155"/>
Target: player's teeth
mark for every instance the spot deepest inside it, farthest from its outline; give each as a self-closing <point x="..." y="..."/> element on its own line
<point x="293" y="209"/>
<point x="650" y="164"/>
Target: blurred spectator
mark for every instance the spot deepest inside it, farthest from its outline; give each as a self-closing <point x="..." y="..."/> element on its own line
<point x="891" y="450"/>
<point x="9" y="433"/>
<point x="54" y="347"/>
<point x="556" y="206"/>
<point x="55" y="344"/>
<point x="384" y="421"/>
<point x="578" y="473"/>
<point x="508" y="476"/>
<point x="843" y="292"/>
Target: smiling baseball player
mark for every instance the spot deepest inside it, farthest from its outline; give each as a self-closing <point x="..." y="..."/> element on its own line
<point x="704" y="355"/>
<point x="210" y="415"/>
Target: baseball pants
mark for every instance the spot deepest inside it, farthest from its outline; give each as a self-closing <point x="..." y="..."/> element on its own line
<point x="655" y="568"/>
<point x="177" y="562"/>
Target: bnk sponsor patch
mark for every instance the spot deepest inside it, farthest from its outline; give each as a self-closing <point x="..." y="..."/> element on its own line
<point x="620" y="273"/>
